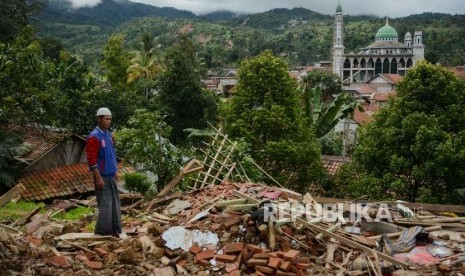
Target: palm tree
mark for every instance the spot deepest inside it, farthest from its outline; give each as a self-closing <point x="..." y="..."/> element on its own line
<point x="144" y="66"/>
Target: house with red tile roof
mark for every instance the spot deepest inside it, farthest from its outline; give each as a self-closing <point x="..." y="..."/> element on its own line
<point x="55" y="163"/>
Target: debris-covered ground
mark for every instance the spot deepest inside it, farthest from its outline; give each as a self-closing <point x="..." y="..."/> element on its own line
<point x="225" y="230"/>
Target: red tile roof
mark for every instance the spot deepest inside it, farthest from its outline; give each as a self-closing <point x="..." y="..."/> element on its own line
<point x="393" y="78"/>
<point x="382" y="97"/>
<point x="333" y="163"/>
<point x="367" y="114"/>
<point x="60" y="181"/>
<point x="38" y="139"/>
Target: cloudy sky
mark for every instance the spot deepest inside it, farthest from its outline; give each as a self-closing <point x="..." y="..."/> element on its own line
<point x="391" y="8"/>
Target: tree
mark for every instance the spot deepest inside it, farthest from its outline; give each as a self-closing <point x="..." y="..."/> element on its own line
<point x="143" y="143"/>
<point x="145" y="66"/>
<point x="183" y="102"/>
<point x="329" y="83"/>
<point x="14" y="15"/>
<point x="27" y="90"/>
<point x="116" y="61"/>
<point x="415" y="147"/>
<point x="265" y="112"/>
<point x="9" y="168"/>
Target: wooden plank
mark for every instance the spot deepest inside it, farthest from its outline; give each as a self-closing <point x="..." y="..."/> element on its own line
<point x="396" y="234"/>
<point x="337" y="237"/>
<point x="188" y="169"/>
<point x="12" y="193"/>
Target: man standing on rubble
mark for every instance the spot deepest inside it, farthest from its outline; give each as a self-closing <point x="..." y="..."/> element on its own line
<point x="101" y="157"/>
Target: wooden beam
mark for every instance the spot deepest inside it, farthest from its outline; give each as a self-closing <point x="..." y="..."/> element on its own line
<point x="188" y="169"/>
<point x="12" y="193"/>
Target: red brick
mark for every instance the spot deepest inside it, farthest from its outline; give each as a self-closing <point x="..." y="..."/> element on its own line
<point x="258" y="273"/>
<point x="286" y="266"/>
<point x="274" y="262"/>
<point x="100" y="251"/>
<point x="195" y="249"/>
<point x="233" y="248"/>
<point x="291" y="255"/>
<point x="230" y="222"/>
<point x="254" y="262"/>
<point x="274" y="254"/>
<point x="60" y="261"/>
<point x="261" y="255"/>
<point x="265" y="269"/>
<point x="280" y="254"/>
<point x="225" y="258"/>
<point x="94" y="265"/>
<point x="205" y="255"/>
<point x="254" y="248"/>
<point x="231" y="267"/>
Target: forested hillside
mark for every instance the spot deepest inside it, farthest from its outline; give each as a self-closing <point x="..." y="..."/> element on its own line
<point x="299" y="35"/>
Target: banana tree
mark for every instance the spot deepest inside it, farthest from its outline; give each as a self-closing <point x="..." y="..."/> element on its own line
<point x="324" y="117"/>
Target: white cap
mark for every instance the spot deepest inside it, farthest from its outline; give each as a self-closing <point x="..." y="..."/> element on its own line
<point x="103" y="111"/>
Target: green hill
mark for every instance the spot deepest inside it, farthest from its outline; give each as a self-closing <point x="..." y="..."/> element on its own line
<point x="224" y="38"/>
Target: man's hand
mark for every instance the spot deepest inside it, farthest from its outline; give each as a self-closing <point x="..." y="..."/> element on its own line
<point x="117" y="178"/>
<point x="98" y="180"/>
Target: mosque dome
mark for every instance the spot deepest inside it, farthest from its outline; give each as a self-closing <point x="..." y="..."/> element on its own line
<point x="387" y="33"/>
<point x="339" y="7"/>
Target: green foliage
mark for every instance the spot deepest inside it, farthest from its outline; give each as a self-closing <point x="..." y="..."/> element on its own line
<point x="137" y="182"/>
<point x="9" y="169"/>
<point x="331" y="144"/>
<point x="14" y="15"/>
<point x="142" y="142"/>
<point x="329" y="83"/>
<point x="75" y="213"/>
<point x="18" y="210"/>
<point x="265" y="114"/>
<point x="115" y="61"/>
<point x="414" y="149"/>
<point x="183" y="102"/>
<point x="32" y="97"/>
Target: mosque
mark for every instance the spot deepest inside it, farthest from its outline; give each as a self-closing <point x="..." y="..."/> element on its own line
<point x="384" y="56"/>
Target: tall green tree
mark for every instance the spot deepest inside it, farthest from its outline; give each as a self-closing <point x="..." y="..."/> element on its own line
<point x="116" y="60"/>
<point x="266" y="113"/>
<point x="183" y="102"/>
<point x="415" y="147"/>
<point x="15" y="14"/>
<point x="27" y="90"/>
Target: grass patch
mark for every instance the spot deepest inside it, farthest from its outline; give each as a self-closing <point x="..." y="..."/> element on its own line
<point x="91" y="226"/>
<point x="75" y="213"/>
<point x="18" y="210"/>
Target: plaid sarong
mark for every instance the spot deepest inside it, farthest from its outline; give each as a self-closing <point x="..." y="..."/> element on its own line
<point x="109" y="208"/>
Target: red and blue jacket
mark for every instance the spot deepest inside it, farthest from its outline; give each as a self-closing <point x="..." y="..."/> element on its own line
<point x="101" y="152"/>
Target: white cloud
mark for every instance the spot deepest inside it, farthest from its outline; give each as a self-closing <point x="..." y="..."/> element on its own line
<point x="391" y="8"/>
<point x="84" y="3"/>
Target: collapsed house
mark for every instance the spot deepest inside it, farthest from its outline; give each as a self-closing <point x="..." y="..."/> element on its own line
<point x="226" y="227"/>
